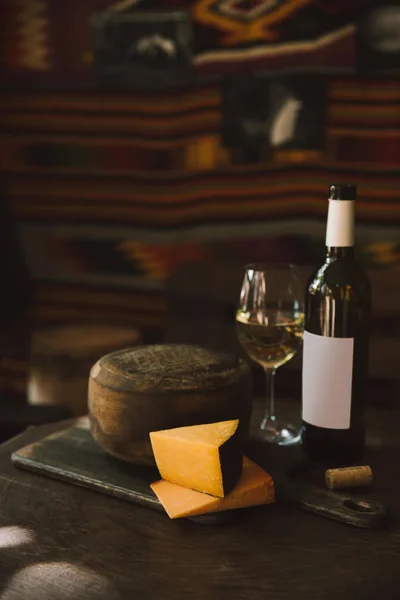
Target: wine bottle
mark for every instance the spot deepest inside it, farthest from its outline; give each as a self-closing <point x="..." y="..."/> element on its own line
<point x="335" y="351"/>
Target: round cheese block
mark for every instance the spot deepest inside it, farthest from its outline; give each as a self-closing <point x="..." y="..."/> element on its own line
<point x="148" y="388"/>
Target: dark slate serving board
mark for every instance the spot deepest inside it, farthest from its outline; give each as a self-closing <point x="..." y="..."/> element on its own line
<point x="73" y="456"/>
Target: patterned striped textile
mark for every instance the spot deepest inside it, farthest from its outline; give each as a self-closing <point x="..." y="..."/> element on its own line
<point x="229" y="36"/>
<point x="114" y="190"/>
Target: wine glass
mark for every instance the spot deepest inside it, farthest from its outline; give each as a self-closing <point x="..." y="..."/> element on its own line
<point x="269" y="324"/>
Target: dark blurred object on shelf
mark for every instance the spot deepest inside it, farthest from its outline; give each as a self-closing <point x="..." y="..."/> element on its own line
<point x="61" y="359"/>
<point x="262" y="114"/>
<point x="378" y="40"/>
<point x="142" y="50"/>
<point x="16" y="300"/>
<point x="16" y="417"/>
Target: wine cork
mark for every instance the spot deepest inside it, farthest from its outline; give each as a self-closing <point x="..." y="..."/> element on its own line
<point x="348" y="477"/>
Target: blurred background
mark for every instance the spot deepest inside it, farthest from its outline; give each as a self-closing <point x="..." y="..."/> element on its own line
<point x="149" y="149"/>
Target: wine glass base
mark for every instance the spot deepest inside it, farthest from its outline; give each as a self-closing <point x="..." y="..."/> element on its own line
<point x="278" y="433"/>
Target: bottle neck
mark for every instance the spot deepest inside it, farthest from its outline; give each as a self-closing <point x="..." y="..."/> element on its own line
<point x="335" y="252"/>
<point x="340" y="226"/>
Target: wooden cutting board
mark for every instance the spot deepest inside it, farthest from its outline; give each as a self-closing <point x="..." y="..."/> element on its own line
<point x="73" y="456"/>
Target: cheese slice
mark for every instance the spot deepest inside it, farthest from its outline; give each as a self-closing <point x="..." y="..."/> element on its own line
<point x="206" y="458"/>
<point x="255" y="487"/>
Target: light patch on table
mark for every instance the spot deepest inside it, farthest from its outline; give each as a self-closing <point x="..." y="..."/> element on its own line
<point x="82" y="422"/>
<point x="15" y="536"/>
<point x="59" y="581"/>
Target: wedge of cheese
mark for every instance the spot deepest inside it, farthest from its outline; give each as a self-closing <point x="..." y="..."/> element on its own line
<point x="205" y="458"/>
<point x="255" y="487"/>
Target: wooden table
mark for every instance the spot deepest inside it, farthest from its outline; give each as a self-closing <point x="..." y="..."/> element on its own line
<point x="58" y="541"/>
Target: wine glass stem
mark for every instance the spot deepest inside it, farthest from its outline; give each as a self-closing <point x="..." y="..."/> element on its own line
<point x="270" y="394"/>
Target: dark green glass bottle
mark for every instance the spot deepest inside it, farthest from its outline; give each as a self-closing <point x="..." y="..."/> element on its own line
<point x="336" y="335"/>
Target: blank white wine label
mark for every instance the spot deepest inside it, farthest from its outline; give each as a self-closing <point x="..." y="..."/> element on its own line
<point x="327" y="380"/>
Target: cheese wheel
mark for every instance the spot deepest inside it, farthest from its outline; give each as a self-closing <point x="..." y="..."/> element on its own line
<point x="148" y="388"/>
<point x="206" y="458"/>
<point x="255" y="487"/>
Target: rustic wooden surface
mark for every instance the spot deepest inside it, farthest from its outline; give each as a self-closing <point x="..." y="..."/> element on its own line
<point x="72" y="455"/>
<point x="58" y="541"/>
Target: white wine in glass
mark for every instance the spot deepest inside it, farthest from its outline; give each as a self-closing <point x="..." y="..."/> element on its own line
<point x="270" y="323"/>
